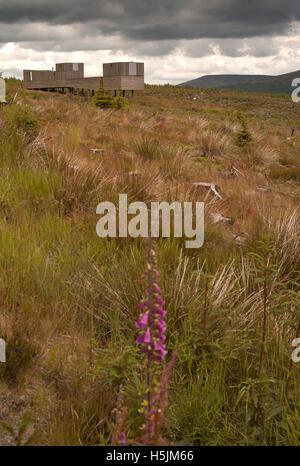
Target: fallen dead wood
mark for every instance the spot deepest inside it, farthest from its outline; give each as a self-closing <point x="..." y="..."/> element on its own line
<point x="219" y="218"/>
<point x="241" y="238"/>
<point x="237" y="171"/>
<point x="265" y="189"/>
<point x="133" y="173"/>
<point x="96" y="151"/>
<point x="232" y="173"/>
<point x="212" y="186"/>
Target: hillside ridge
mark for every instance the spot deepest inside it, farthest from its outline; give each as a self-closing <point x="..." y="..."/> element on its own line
<point x="249" y="83"/>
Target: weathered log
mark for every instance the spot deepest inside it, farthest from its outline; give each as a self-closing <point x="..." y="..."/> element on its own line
<point x="212" y="186"/>
<point x="218" y="218"/>
<point x="133" y="173"/>
<point x="96" y="151"/>
<point x="233" y="168"/>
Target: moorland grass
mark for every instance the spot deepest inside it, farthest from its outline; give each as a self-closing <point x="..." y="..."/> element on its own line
<point x="68" y="302"/>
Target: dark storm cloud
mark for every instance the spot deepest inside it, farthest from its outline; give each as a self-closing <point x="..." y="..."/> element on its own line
<point x="149" y="20"/>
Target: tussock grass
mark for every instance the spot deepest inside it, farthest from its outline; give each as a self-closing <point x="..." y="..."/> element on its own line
<point x="285" y="174"/>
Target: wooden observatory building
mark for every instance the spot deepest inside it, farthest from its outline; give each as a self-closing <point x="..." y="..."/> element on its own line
<point x="126" y="76"/>
<point x="66" y="76"/>
<point x="2" y="91"/>
<point x="70" y="77"/>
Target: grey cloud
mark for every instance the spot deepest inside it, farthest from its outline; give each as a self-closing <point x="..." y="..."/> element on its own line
<point x="256" y="47"/>
<point x="148" y="28"/>
<point x="44" y="37"/>
<point x="161" y="19"/>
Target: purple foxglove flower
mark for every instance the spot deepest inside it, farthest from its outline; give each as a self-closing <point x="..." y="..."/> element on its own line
<point x="122" y="439"/>
<point x="147" y="336"/>
<point x="161" y="311"/>
<point x="140" y="339"/>
<point x="161" y="325"/>
<point x="151" y="320"/>
<point x="160" y="301"/>
<point x="143" y="321"/>
<point x="157" y="345"/>
<point x="161" y="355"/>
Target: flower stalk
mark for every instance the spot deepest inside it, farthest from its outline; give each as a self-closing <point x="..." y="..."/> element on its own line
<point x="151" y="339"/>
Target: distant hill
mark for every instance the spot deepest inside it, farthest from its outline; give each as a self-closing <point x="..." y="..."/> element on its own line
<point x="247" y="83"/>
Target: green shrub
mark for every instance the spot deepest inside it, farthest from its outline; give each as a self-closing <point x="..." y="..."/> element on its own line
<point x="121" y="103"/>
<point x="103" y="99"/>
<point x="243" y="136"/>
<point x="20" y="119"/>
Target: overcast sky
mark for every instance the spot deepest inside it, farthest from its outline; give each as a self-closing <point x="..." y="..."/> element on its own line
<point x="177" y="39"/>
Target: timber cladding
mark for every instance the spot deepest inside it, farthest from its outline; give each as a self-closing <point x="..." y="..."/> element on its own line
<point x="62" y="72"/>
<point x="36" y="75"/>
<point x="71" y="70"/>
<point x="122" y="75"/>
<point x="126" y="83"/>
<point x="84" y="83"/>
<point x="123" y="69"/>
